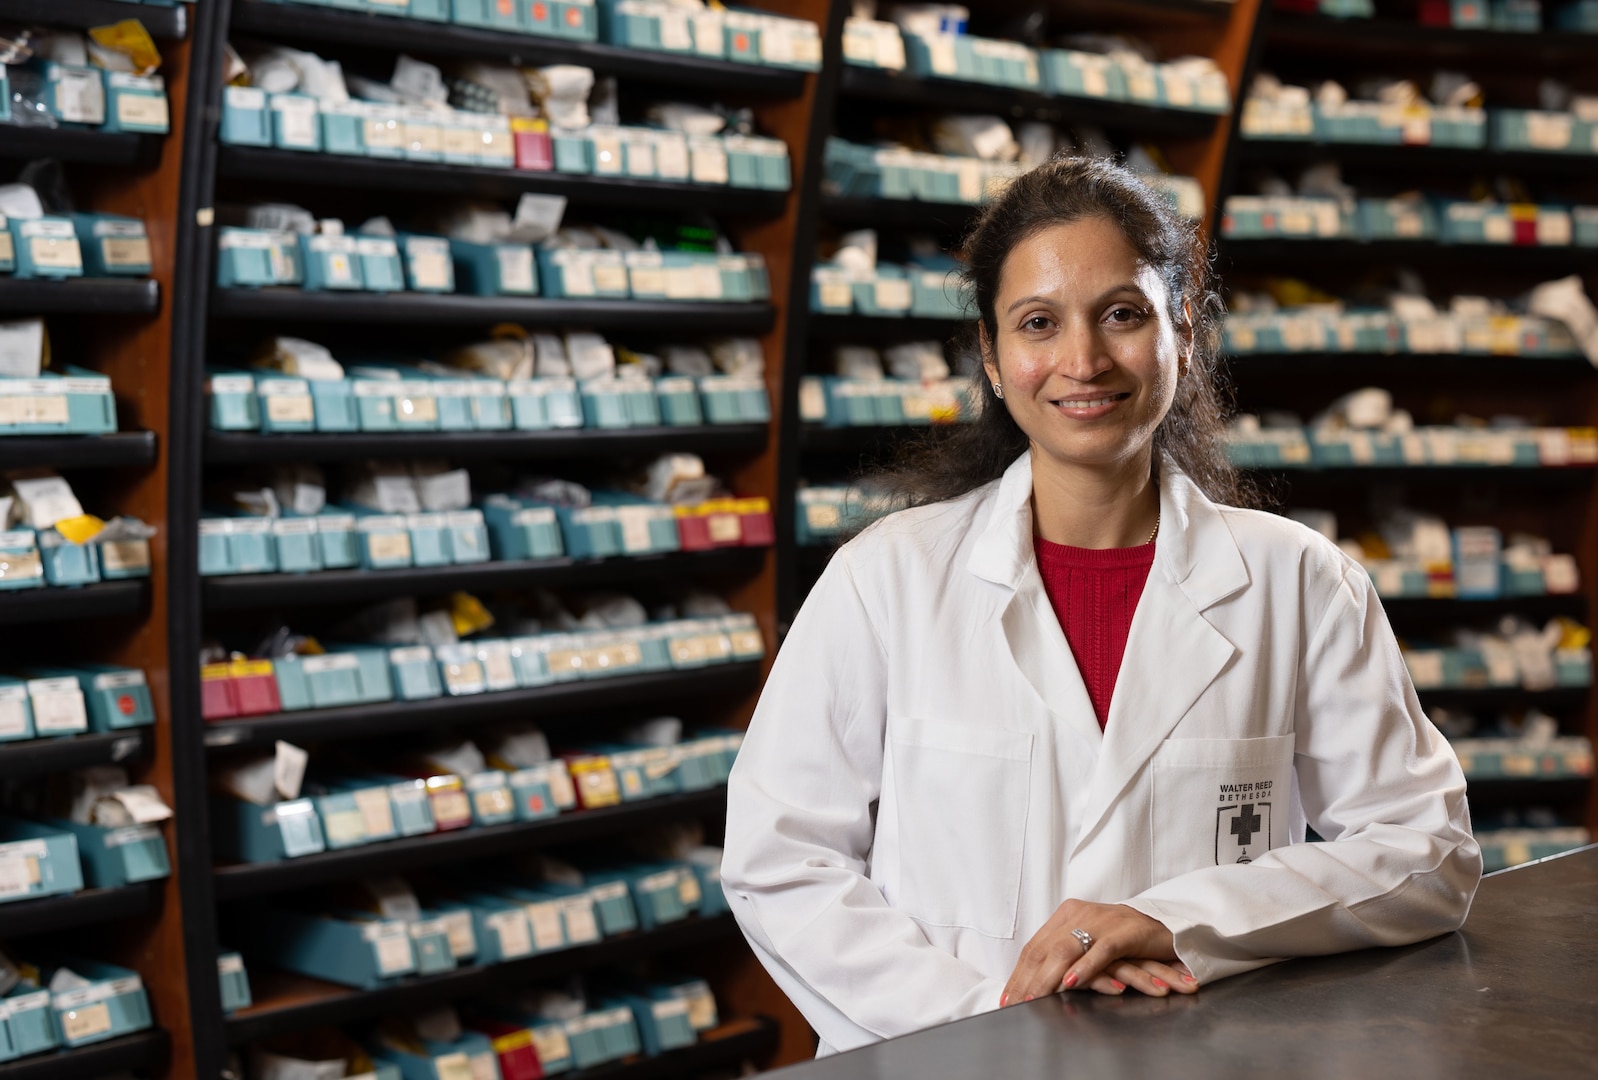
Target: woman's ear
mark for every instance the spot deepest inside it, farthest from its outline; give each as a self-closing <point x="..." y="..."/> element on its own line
<point x="1186" y="338"/>
<point x="990" y="362"/>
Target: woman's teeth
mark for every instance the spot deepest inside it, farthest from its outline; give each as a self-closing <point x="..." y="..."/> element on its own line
<point x="1089" y="403"/>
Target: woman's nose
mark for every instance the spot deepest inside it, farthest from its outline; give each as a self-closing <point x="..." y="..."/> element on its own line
<point x="1082" y="354"/>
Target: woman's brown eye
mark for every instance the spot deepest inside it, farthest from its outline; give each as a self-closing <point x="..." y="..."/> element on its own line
<point x="1037" y="322"/>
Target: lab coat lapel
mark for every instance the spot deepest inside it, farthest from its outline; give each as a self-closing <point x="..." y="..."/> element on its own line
<point x="1172" y="651"/>
<point x="1004" y="555"/>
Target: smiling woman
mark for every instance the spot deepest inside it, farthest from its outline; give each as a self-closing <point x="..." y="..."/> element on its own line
<point x="1068" y="218"/>
<point x="1063" y="723"/>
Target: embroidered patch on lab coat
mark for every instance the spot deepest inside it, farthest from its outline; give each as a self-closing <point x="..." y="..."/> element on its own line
<point x="1243" y="822"/>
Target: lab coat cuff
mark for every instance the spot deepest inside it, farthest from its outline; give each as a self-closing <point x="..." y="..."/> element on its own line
<point x="1183" y="932"/>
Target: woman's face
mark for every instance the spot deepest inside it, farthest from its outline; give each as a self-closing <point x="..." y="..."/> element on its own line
<point x="1086" y="351"/>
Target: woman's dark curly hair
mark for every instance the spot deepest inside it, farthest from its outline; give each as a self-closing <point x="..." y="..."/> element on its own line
<point x="952" y="463"/>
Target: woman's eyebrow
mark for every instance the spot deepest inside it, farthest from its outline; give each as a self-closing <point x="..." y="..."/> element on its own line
<point x="1101" y="298"/>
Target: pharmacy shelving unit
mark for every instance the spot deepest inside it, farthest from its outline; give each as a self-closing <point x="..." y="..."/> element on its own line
<point x="1194" y="143"/>
<point x="1561" y="503"/>
<point x="760" y="1026"/>
<point x="120" y="328"/>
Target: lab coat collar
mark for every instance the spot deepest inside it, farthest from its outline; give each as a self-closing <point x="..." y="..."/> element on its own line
<point x="1172" y="651"/>
<point x="1194" y="551"/>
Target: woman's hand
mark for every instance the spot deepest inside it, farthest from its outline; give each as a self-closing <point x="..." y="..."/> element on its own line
<point x="1129" y="949"/>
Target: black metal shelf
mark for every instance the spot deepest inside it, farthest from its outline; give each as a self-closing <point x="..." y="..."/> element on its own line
<point x="1452" y="160"/>
<point x="78" y="296"/>
<point x="741" y="1040"/>
<point x="1387" y="41"/>
<point x="141" y="1050"/>
<point x="296" y="23"/>
<point x="34" y="757"/>
<point x="78" y="144"/>
<point x="346" y="586"/>
<point x="85" y="908"/>
<point x="1247" y="367"/>
<point x="237" y="882"/>
<point x="884" y="87"/>
<point x="241" y="448"/>
<point x="169" y="23"/>
<point x="85" y="602"/>
<point x="1506" y="697"/>
<point x="860" y="440"/>
<point x="335" y="170"/>
<point x="287" y="1003"/>
<point x="655" y="316"/>
<point x="1522" y="791"/>
<point x="881" y="328"/>
<point x="1525" y="476"/>
<point x="1457" y="612"/>
<point x="124" y="450"/>
<point x="389" y="717"/>
<point x="1276" y="255"/>
<point x="898" y="213"/>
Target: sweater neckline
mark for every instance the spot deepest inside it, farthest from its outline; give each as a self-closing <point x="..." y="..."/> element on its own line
<point x="1067" y="555"/>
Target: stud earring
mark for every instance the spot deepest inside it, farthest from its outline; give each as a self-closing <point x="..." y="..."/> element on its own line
<point x="998" y="390"/>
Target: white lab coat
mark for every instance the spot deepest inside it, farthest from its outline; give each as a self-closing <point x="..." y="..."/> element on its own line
<point x="925" y="781"/>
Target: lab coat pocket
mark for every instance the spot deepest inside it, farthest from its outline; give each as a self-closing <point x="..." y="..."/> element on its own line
<point x="1218" y="802"/>
<point x="962" y="798"/>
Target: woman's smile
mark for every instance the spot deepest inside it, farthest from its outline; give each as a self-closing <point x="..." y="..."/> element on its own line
<point x="1089" y="408"/>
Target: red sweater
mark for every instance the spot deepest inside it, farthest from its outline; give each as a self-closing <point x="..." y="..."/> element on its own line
<point x="1094" y="593"/>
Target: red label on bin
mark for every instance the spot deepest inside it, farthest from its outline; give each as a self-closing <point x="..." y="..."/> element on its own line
<point x="126" y="705"/>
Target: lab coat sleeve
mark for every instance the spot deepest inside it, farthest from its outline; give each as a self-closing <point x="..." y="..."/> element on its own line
<point x="800" y="817"/>
<point x="1378" y="782"/>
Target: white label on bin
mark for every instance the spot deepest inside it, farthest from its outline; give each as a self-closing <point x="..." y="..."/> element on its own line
<point x="131" y="834"/>
<point x="514" y="937"/>
<point x="55" y="252"/>
<point x="493" y="801"/>
<point x="452" y="1067"/>
<point x="389" y="547"/>
<point x="544" y="918"/>
<point x="13" y="711"/>
<point x="18" y="871"/>
<point x="892" y="294"/>
<point x="316" y="665"/>
<point x="125" y="555"/>
<point x="671" y="158"/>
<point x="231" y="964"/>
<point x="462" y="938"/>
<point x="284" y="409"/>
<point x="117" y="680"/>
<point x="244" y="97"/>
<point x="34" y="409"/>
<point x="666" y="1010"/>
<point x="343" y="827"/>
<point x="550" y="1043"/>
<point x="142" y="110"/>
<point x="79" y="96"/>
<point x="610" y="276"/>
<point x="429" y="262"/>
<point x="57" y="705"/>
<point x="1548" y="131"/>
<point x="578" y="911"/>
<point x="577" y="276"/>
<point x="709" y="162"/>
<point x="125" y="251"/>
<point x="298" y="120"/>
<point x="391" y="943"/>
<point x="377" y="814"/>
<point x="515" y="268"/>
<point x="86" y="1022"/>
